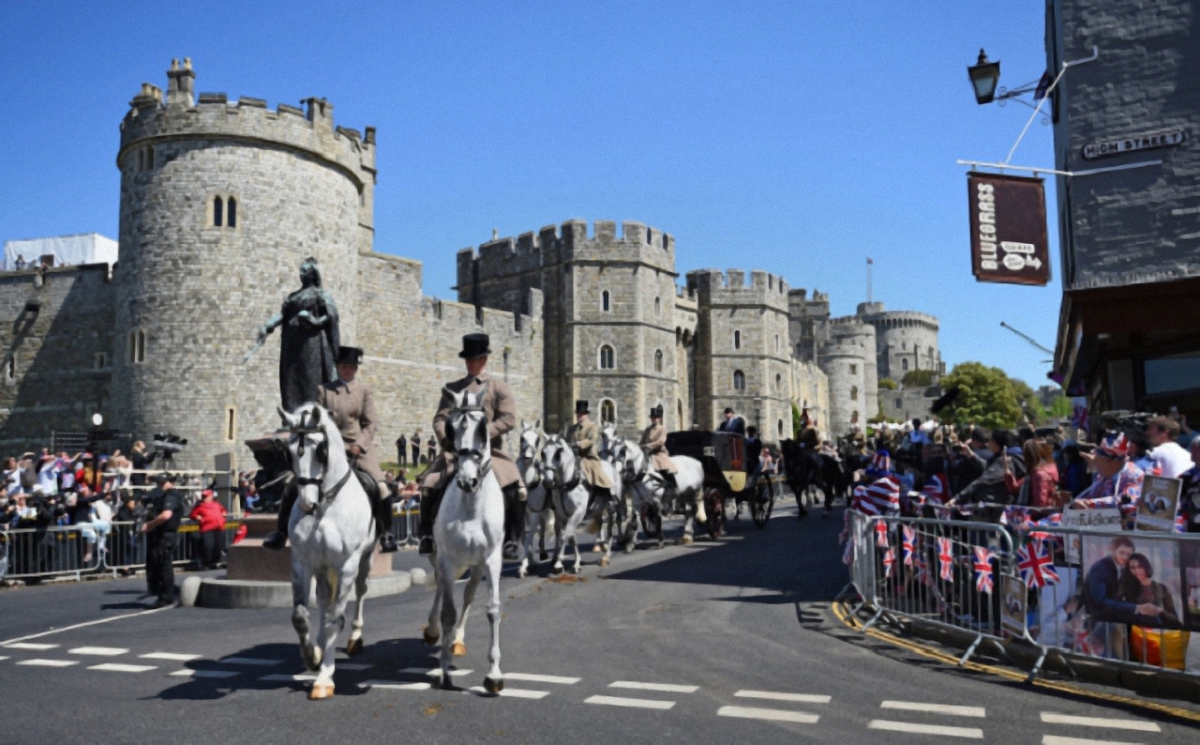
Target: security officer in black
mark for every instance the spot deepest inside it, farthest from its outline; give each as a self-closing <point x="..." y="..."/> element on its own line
<point x="165" y="510"/>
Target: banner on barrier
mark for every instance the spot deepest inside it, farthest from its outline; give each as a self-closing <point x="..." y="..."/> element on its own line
<point x="1156" y="508"/>
<point x="1103" y="519"/>
<point x="1013" y="596"/>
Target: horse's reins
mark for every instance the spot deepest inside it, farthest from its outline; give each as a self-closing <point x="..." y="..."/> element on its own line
<point x="323" y="497"/>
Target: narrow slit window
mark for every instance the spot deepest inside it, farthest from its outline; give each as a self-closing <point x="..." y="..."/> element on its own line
<point x="737" y="339"/>
<point x="607" y="358"/>
<point x="230" y="424"/>
<point x="218" y="211"/>
<point x="658" y="360"/>
<point x="141" y="346"/>
<point x="605" y="304"/>
<point x="231" y="213"/>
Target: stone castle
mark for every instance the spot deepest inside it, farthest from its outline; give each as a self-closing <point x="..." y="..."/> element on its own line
<point x="221" y="202"/>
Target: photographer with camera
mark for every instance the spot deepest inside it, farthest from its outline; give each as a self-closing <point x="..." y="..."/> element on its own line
<point x="164" y="510"/>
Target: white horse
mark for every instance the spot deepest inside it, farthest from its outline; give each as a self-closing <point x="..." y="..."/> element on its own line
<point x="564" y="481"/>
<point x="539" y="515"/>
<point x="332" y="537"/>
<point x="468" y="534"/>
<point x="651" y="491"/>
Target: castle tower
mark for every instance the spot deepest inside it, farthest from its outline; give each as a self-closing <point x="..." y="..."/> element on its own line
<point x="743" y="354"/>
<point x="848" y="360"/>
<point x="609" y="312"/>
<point x="220" y="203"/>
<point x="905" y="340"/>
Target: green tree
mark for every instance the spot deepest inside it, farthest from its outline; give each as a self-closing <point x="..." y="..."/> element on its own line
<point x="986" y="396"/>
<point x="888" y="384"/>
<point x="917" y="378"/>
<point x="1029" y="402"/>
<point x="1061" y="407"/>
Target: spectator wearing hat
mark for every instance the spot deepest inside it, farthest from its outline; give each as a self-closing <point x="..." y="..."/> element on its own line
<point x="1118" y="481"/>
<point x="500" y="405"/>
<point x="733" y="423"/>
<point x="210" y="516"/>
<point x="162" y="529"/>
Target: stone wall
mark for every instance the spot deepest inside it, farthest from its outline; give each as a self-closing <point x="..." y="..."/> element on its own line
<point x="57" y="338"/>
<point x="906" y="403"/>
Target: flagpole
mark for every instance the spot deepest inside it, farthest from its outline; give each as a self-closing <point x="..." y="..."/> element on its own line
<point x="870" y="263"/>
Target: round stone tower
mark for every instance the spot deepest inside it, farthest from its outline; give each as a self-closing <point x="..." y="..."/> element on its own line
<point x="220" y="204"/>
<point x="848" y="360"/>
<point x="905" y="340"/>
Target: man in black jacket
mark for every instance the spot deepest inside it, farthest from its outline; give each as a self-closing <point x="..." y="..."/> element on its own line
<point x="989" y="487"/>
<point x="161" y="529"/>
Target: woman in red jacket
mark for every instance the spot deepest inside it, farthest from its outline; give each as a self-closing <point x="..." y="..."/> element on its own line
<point x="1042" y="478"/>
<point x="209" y="513"/>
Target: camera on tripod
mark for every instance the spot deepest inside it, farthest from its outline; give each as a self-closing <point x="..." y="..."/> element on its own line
<point x="166" y="445"/>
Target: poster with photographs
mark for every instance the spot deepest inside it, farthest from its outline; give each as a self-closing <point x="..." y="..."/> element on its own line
<point x="1013" y="597"/>
<point x="1189" y="559"/>
<point x="1156" y="508"/>
<point x="1060" y="610"/>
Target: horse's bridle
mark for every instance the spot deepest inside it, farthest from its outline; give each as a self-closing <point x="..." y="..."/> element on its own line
<point x="535" y="461"/>
<point x="574" y="482"/>
<point x="484" y="467"/>
<point x="303" y="430"/>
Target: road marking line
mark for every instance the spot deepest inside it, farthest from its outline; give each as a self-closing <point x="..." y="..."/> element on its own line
<point x="635" y="703"/>
<point x="661" y="687"/>
<point x="173" y="656"/>
<point x="773" y="715"/>
<point x="957" y="711"/>
<point x="114" y="667"/>
<point x="1052" y="718"/>
<point x="98" y="651"/>
<point x="72" y="627"/>
<point x="1056" y="740"/>
<point x="249" y="661"/>
<point x="352" y="665"/>
<point x="3" y="657"/>
<point x="512" y="692"/>
<point x="799" y="698"/>
<point x="190" y="673"/>
<point x="394" y="686"/>
<point x="49" y="663"/>
<point x="32" y="647"/>
<point x="435" y="672"/>
<point x="533" y="678"/>
<point x="926" y="729"/>
<point x="277" y="678"/>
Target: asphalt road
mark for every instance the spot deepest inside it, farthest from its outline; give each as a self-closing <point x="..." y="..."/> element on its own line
<point x="725" y="642"/>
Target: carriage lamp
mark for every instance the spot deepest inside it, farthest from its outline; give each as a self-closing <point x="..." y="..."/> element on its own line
<point x="984" y="77"/>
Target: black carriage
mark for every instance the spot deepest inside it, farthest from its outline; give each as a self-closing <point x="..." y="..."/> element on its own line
<point x="723" y="457"/>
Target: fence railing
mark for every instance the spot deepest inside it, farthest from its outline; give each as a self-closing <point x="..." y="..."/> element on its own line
<point x="1127" y="596"/>
<point x="91" y="548"/>
<point x="406" y="515"/>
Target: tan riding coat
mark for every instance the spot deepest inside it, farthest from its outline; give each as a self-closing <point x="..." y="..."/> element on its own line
<point x="654" y="442"/>
<point x="585" y="436"/>
<point x="501" y="408"/>
<point x="352" y="406"/>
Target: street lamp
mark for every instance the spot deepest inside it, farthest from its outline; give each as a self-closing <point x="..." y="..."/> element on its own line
<point x="984" y="76"/>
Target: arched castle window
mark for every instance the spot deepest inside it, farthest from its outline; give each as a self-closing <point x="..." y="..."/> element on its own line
<point x="904" y="364"/>
<point x="231" y="213"/>
<point x="737" y="339"/>
<point x="739" y="380"/>
<point x="658" y="360"/>
<point x="607" y="358"/>
<point x="778" y="382"/>
<point x="10" y="368"/>
<point x="854" y="369"/>
<point x="853" y="393"/>
<point x="657" y="307"/>
<point x="218" y="212"/>
<point x="605" y="302"/>
<point x="608" y="411"/>
<point x="779" y="427"/>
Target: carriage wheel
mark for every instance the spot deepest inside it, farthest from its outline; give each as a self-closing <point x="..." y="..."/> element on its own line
<point x="714" y="505"/>
<point x="762" y="504"/>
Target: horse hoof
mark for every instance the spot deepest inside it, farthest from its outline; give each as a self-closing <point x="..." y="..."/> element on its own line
<point x="687" y="539"/>
<point x="354" y="647"/>
<point x="447" y="683"/>
<point x="430" y="639"/>
<point x="596" y="548"/>
<point x="458" y="649"/>
<point x="543" y="556"/>
<point x="556" y="570"/>
<point x="320" y="691"/>
<point x="493" y="686"/>
<point x="629" y="547"/>
<point x="604" y="562"/>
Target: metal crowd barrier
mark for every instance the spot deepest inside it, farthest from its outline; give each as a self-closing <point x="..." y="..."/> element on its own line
<point x="60" y="551"/>
<point x="1126" y="596"/>
<point x="406" y="515"/>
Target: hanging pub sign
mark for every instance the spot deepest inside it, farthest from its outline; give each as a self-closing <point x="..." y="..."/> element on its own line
<point x="1009" y="243"/>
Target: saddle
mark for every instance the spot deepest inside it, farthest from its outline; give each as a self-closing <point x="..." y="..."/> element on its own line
<point x="369" y="484"/>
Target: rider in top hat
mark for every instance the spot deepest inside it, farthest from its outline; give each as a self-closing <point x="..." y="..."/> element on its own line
<point x="351" y="403"/>
<point x="584" y="434"/>
<point x="654" y="444"/>
<point x="501" y="408"/>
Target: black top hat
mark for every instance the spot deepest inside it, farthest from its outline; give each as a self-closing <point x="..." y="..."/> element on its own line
<point x="656" y="412"/>
<point x="728" y="410"/>
<point x="475" y="345"/>
<point x="162" y="478"/>
<point x="581" y="407"/>
<point x="349" y="356"/>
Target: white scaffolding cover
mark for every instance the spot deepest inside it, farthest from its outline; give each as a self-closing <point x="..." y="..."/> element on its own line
<point x="69" y="250"/>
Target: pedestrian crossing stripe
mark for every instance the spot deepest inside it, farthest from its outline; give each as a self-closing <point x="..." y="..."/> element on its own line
<point x="190" y="673"/>
<point x="49" y="663"/>
<point x="114" y="667"/>
<point x="798" y="698"/>
<point x="173" y="656"/>
<point x="31" y="646"/>
<point x="956" y="711"/>
<point x="1052" y="718"/>
<point x="772" y="715"/>
<point x="98" y="651"/>
<point x="660" y="687"/>
<point x="926" y="729"/>
<point x="633" y="703"/>
<point x="511" y="692"/>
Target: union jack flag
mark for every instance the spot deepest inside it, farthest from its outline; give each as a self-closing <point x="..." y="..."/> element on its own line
<point x="983" y="569"/>
<point x="889" y="560"/>
<point x="907" y="548"/>
<point x="1036" y="564"/>
<point x="881" y="534"/>
<point x="935" y="490"/>
<point x="946" y="559"/>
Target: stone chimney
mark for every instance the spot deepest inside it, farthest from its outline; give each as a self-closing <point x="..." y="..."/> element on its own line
<point x="181" y="84"/>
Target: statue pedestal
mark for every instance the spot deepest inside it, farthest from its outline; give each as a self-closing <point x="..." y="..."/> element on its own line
<point x="258" y="577"/>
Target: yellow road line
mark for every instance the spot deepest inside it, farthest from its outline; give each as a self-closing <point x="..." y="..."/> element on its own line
<point x="855" y="624"/>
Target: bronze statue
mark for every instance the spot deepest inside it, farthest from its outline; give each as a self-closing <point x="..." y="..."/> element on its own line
<point x="308" y="349"/>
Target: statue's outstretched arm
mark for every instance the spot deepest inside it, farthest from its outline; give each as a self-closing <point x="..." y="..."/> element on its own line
<point x="270" y="326"/>
<point x="312" y="321"/>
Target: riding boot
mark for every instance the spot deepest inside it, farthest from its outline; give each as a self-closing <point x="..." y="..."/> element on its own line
<point x="670" y="479"/>
<point x="277" y="540"/>
<point x="430" y="499"/>
<point x="383" y="518"/>
<point x="512" y="517"/>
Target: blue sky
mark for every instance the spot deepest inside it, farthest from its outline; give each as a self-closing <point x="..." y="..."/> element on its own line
<point x="795" y="137"/>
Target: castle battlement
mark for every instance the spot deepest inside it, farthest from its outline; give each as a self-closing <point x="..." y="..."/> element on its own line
<point x="151" y="122"/>
<point x="898" y="318"/>
<point x="714" y="287"/>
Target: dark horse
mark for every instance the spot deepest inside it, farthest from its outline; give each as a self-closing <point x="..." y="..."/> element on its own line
<point x="806" y="468"/>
